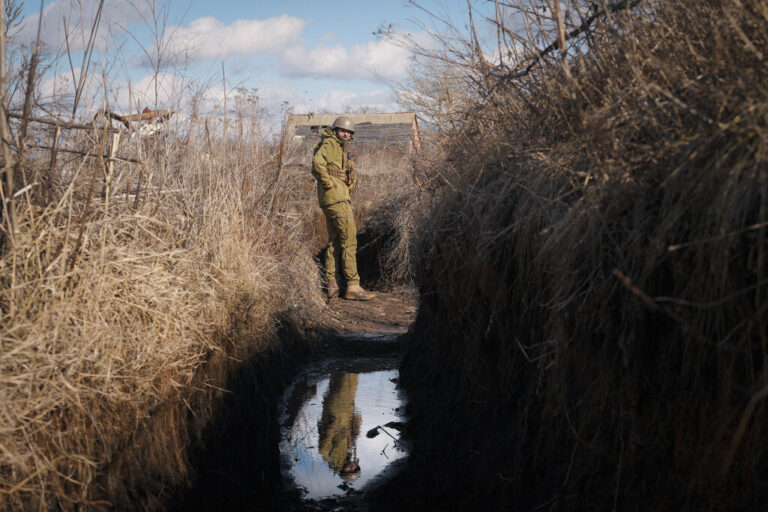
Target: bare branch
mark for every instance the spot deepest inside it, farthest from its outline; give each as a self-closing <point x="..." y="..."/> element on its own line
<point x="499" y="71"/>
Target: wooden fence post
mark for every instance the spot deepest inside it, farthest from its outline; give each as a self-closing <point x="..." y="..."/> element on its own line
<point x="111" y="163"/>
<point x="52" y="170"/>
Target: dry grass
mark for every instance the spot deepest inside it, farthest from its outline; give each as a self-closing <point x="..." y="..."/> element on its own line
<point x="112" y="308"/>
<point x="599" y="253"/>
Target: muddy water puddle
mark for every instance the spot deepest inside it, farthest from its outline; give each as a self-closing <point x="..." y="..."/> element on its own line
<point x="340" y="427"/>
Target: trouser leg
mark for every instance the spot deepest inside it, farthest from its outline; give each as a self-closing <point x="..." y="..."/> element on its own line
<point x="332" y="249"/>
<point x="342" y="242"/>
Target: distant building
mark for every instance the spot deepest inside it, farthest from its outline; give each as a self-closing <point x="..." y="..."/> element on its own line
<point x="391" y="129"/>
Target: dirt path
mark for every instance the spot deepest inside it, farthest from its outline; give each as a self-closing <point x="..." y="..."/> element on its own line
<point x="389" y="313"/>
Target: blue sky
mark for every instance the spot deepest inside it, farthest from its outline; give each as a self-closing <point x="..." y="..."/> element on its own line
<point x="316" y="56"/>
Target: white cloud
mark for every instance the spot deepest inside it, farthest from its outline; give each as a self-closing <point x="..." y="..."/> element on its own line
<point x="206" y="38"/>
<point x="78" y="18"/>
<point x="56" y="93"/>
<point x="164" y="91"/>
<point x="374" y="59"/>
<point x="57" y="86"/>
<point x="342" y="101"/>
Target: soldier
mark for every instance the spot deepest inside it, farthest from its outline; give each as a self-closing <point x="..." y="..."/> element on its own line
<point x="335" y="177"/>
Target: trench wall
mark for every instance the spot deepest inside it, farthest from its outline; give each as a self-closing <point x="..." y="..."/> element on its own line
<point x="592" y="329"/>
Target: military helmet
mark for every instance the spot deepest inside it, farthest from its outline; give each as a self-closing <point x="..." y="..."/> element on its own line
<point x="350" y="477"/>
<point x="351" y="472"/>
<point x="345" y="123"/>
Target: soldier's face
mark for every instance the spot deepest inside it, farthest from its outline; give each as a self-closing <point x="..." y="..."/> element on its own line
<point x="344" y="134"/>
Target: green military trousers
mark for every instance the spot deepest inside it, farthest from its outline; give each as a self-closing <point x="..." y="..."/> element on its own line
<point x="342" y="242"/>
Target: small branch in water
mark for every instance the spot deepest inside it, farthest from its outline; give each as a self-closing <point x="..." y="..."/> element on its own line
<point x="375" y="432"/>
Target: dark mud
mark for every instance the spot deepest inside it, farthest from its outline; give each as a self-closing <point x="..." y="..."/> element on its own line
<point x="237" y="465"/>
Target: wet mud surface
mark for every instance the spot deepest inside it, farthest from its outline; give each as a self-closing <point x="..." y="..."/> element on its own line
<point x="242" y="463"/>
<point x="342" y="416"/>
<point x="340" y="425"/>
<point x="361" y="329"/>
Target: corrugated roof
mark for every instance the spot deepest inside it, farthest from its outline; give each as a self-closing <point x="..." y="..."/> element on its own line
<point x="295" y="120"/>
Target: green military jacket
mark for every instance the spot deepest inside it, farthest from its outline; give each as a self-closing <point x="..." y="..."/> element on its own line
<point x="331" y="169"/>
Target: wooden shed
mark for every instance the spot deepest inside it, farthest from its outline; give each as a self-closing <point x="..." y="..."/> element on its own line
<point x="389" y="129"/>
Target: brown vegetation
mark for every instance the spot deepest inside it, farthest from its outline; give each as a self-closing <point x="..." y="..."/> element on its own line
<point x="143" y="284"/>
<point x="594" y="276"/>
<point x="128" y="300"/>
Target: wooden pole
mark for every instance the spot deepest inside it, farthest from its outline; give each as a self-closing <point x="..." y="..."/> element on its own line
<point x="9" y="206"/>
<point x="52" y="166"/>
<point x="110" y="167"/>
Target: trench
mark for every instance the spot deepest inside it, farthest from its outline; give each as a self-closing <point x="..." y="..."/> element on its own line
<point x="319" y="423"/>
<point x="314" y="426"/>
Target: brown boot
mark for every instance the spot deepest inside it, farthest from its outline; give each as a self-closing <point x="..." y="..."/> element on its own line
<point x="332" y="290"/>
<point x="354" y="292"/>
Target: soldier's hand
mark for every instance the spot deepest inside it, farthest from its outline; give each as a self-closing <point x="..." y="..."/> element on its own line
<point x="328" y="185"/>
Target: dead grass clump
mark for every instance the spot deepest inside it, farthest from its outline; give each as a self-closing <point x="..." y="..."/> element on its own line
<point x="115" y="310"/>
<point x="402" y="201"/>
<point x="596" y="264"/>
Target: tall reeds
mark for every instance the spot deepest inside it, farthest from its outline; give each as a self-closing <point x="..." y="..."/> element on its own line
<point x="154" y="271"/>
<point x="594" y="273"/>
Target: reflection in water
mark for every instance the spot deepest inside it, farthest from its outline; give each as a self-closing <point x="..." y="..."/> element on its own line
<point x="323" y="418"/>
<point x="339" y="426"/>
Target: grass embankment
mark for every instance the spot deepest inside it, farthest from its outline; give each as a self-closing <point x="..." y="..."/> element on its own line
<point x="593" y="328"/>
<point x="124" y="320"/>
